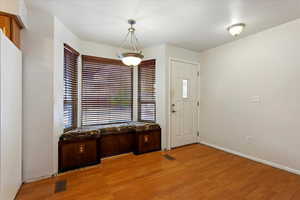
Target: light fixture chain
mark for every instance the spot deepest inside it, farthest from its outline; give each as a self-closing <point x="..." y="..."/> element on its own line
<point x="134" y="43"/>
<point x="139" y="47"/>
<point x="131" y="44"/>
<point x="124" y="41"/>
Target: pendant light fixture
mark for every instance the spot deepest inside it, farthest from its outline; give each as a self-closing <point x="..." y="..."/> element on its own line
<point x="236" y="29"/>
<point x="133" y="56"/>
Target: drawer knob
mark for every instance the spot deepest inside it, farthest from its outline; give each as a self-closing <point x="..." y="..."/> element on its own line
<point x="146" y="138"/>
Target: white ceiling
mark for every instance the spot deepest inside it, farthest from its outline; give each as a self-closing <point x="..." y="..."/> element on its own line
<point x="191" y="24"/>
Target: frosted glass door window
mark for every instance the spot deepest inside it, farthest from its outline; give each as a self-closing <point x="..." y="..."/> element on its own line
<point x="184" y="88"/>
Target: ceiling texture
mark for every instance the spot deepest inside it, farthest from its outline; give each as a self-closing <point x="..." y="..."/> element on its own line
<point x="192" y="24"/>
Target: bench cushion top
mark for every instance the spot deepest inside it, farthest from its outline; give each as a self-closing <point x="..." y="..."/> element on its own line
<point x="93" y="132"/>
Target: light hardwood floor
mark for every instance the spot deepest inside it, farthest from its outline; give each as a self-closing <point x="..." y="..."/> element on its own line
<point x="199" y="172"/>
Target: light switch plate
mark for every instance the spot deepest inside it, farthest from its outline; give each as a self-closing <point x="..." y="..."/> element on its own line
<point x="255" y="99"/>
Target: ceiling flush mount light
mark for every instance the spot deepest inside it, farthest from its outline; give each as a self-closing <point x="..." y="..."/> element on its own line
<point x="134" y="56"/>
<point x="236" y="29"/>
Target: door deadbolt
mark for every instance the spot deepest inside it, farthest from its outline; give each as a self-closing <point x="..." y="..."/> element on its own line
<point x="173" y="110"/>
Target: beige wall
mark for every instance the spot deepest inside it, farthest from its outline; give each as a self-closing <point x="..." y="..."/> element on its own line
<point x="62" y="35"/>
<point x="159" y="54"/>
<point x="38" y="62"/>
<point x="250" y="94"/>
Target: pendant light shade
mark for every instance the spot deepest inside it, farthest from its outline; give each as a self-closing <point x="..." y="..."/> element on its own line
<point x="132" y="57"/>
<point x="236" y="29"/>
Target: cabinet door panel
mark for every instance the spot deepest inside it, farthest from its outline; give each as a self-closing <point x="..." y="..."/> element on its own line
<point x="109" y="145"/>
<point x="88" y="152"/>
<point x="155" y="140"/>
<point x="148" y="141"/>
<point x="126" y="143"/>
<point x="70" y="158"/>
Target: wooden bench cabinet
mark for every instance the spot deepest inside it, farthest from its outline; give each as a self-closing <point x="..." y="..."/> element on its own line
<point x="86" y="146"/>
<point x="137" y="142"/>
<point x="76" y="154"/>
<point x="147" y="141"/>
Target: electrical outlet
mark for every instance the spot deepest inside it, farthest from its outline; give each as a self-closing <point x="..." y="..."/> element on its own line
<point x="249" y="139"/>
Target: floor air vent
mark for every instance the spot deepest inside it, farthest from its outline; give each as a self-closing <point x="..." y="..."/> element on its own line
<point x="168" y="157"/>
<point x="60" y="186"/>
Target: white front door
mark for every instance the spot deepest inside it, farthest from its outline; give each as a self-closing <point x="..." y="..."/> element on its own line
<point x="184" y="103"/>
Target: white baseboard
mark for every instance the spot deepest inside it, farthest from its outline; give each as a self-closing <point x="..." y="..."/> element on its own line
<point x="272" y="164"/>
<point x="37" y="178"/>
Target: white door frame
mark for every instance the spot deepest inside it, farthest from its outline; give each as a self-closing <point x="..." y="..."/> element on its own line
<point x="169" y="135"/>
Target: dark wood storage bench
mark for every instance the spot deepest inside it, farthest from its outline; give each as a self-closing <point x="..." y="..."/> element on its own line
<point x="86" y="146"/>
<point x="78" y="149"/>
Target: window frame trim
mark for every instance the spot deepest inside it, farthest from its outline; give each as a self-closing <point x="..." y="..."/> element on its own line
<point x="139" y="101"/>
<point x="74" y="104"/>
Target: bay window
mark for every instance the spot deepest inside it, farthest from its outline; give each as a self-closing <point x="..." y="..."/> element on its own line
<point x="106" y="91"/>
